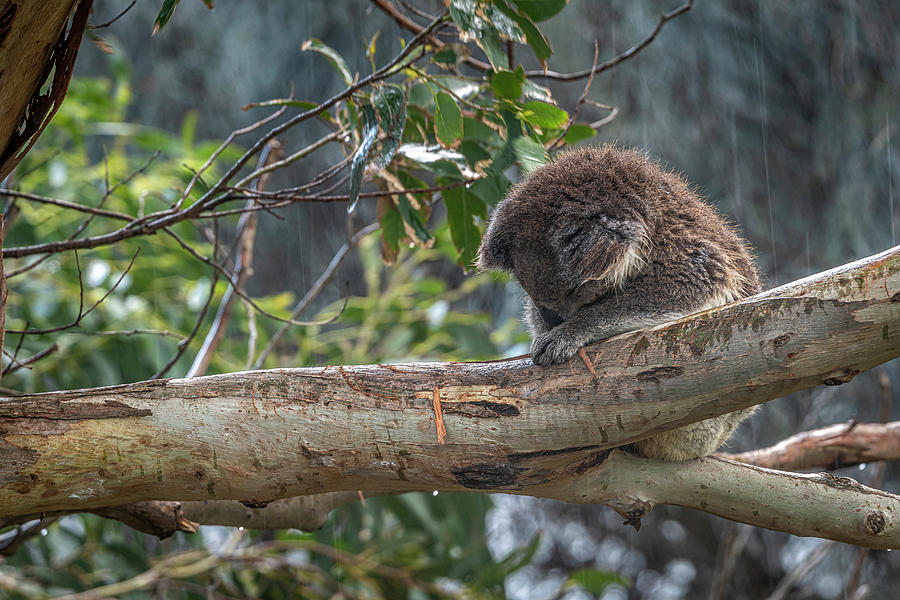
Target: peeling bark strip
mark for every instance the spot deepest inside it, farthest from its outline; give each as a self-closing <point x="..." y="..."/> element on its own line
<point x="510" y="426"/>
<point x="37" y="40"/>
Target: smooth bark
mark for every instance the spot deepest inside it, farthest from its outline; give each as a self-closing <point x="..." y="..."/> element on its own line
<point x="510" y="426"/>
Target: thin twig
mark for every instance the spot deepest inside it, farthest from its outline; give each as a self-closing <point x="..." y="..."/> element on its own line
<point x="587" y="87"/>
<point x="15" y="365"/>
<point x="316" y="289"/>
<point x="246" y="236"/>
<point x="114" y="19"/>
<point x="81" y="312"/>
<point x="211" y="198"/>
<point x="619" y="58"/>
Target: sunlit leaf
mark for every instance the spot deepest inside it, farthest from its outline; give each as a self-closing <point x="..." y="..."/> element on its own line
<point x="538" y="92"/>
<point x="503" y="22"/>
<point x="508" y="84"/>
<point x="578" y="132"/>
<point x="461" y="88"/>
<point x="390" y="106"/>
<point x="360" y="157"/>
<point x="165" y="13"/>
<point x="544" y="115"/>
<point x="489" y="41"/>
<point x="529" y="154"/>
<point x="336" y="60"/>
<point x="448" y="125"/>
<point x="533" y="35"/>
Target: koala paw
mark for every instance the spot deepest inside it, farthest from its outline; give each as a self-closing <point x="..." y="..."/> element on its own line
<point x="553" y="347"/>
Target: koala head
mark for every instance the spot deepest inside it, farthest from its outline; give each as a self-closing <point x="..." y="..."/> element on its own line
<point x="571" y="231"/>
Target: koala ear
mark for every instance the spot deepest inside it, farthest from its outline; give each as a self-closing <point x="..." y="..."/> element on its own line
<point x="495" y="251"/>
<point x="608" y="250"/>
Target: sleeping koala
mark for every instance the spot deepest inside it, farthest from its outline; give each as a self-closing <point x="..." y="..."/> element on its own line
<point x="603" y="241"/>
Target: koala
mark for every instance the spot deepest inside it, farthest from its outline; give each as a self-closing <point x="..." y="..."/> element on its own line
<point x="603" y="240"/>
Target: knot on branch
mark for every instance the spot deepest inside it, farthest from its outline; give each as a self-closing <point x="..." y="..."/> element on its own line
<point x="875" y="522"/>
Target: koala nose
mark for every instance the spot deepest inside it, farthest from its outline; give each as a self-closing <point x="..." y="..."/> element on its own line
<point x="550" y="317"/>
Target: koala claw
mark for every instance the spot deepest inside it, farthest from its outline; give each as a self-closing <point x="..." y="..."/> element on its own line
<point x="553" y="348"/>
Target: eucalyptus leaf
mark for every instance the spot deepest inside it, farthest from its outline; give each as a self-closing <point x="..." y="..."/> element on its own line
<point x="529" y="153"/>
<point x="540" y="10"/>
<point x="489" y="41"/>
<point x="448" y="124"/>
<point x="336" y="60"/>
<point x="390" y="106"/>
<point x="532" y="34"/>
<point x="462" y="208"/>
<point x="412" y="218"/>
<point x="508" y="84"/>
<point x="165" y="13"/>
<point x="360" y="157"/>
<point x="578" y="132"/>
<point x="544" y="115"/>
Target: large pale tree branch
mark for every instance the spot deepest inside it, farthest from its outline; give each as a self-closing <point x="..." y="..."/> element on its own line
<point x="510" y="426"/>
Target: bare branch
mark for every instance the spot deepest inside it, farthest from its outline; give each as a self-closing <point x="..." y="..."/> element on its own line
<point x="619" y="58"/>
<point x="316" y="289"/>
<point x="831" y="447"/>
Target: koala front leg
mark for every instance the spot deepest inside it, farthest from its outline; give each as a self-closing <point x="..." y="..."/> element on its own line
<point x="592" y="323"/>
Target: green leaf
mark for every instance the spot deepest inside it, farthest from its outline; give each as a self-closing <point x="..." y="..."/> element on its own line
<point x="447" y="119"/>
<point x="491" y="189"/>
<point x="165" y="13"/>
<point x="336" y="60"/>
<point x="538" y="92"/>
<point x="508" y="84"/>
<point x="544" y="115"/>
<point x="460" y="87"/>
<point x="412" y="217"/>
<point x="578" y="132"/>
<point x="529" y="153"/>
<point x="420" y="95"/>
<point x="391" y="227"/>
<point x="463" y="14"/>
<point x="462" y="208"/>
<point x="476" y="129"/>
<point x="473" y="152"/>
<point x="452" y="54"/>
<point x="540" y="10"/>
<point x="594" y="581"/>
<point x="390" y="106"/>
<point x="489" y="41"/>
<point x="533" y="35"/>
<point x="301" y="104"/>
<point x="360" y="157"/>
<point x="505" y="23"/>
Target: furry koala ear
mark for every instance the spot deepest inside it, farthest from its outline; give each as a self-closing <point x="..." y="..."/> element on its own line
<point x="609" y="250"/>
<point x="495" y="251"/>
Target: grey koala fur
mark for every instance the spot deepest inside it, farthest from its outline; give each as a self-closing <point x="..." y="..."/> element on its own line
<point x="603" y="241"/>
